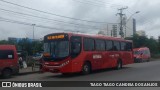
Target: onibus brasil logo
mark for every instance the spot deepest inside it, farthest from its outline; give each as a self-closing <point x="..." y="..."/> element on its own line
<point x="18" y="84"/>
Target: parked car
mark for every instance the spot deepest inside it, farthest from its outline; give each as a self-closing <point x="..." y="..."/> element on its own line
<point x="8" y="60"/>
<point x="141" y="54"/>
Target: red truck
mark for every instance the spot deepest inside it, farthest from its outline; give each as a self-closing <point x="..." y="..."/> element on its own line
<point x="141" y="54"/>
<point x="8" y="61"/>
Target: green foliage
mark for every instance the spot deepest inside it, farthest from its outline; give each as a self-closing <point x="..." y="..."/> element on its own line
<point x="143" y="41"/>
<point x="25" y="45"/>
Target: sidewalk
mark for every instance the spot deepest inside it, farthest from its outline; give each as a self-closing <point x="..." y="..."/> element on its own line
<point x="28" y="70"/>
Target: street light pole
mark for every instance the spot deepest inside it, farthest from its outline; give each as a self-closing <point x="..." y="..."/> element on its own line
<point x="33" y="31"/>
<point x="132" y="15"/>
<point x="33" y="39"/>
<point x="129" y="19"/>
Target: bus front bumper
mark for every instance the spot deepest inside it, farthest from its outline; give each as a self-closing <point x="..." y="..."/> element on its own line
<point x="57" y="69"/>
<point x="53" y="69"/>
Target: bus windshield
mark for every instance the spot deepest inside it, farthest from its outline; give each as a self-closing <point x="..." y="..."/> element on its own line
<point x="57" y="49"/>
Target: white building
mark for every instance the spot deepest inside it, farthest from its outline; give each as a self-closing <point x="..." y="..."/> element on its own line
<point x="130" y="28"/>
<point x="113" y="29"/>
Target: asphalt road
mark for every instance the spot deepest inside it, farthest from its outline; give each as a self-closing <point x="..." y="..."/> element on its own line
<point x="147" y="71"/>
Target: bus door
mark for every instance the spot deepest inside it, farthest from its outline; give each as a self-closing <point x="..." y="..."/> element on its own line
<point x="100" y="53"/>
<point x="116" y="52"/>
<point x="126" y="52"/>
<point x="109" y="54"/>
<point x="129" y="53"/>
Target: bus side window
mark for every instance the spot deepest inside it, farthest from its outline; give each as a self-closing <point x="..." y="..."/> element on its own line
<point x="129" y="46"/>
<point x="75" y="45"/>
<point x="109" y="45"/>
<point x="100" y="45"/>
<point x="123" y="46"/>
<point x="89" y="44"/>
<point x="116" y="46"/>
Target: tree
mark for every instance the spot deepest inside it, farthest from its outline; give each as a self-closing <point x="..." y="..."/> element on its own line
<point x="37" y="46"/>
<point x="143" y="41"/>
<point x="25" y="45"/>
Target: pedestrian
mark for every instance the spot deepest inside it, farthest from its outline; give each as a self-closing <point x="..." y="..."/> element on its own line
<point x="20" y="62"/>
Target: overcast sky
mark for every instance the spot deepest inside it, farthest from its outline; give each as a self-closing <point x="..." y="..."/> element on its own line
<point x="103" y="11"/>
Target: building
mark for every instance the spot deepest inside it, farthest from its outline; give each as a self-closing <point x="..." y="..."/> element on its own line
<point x="113" y="29"/>
<point x="130" y="28"/>
<point x="141" y="33"/>
<point x="134" y="26"/>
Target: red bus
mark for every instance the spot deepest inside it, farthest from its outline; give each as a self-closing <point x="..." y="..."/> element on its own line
<point x="141" y="54"/>
<point x="8" y="60"/>
<point x="69" y="53"/>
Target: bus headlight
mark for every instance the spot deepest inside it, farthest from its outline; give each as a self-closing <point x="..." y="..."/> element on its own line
<point x="65" y="63"/>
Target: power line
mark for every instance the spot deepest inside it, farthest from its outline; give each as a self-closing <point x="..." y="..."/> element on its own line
<point x="49" y="12"/>
<point x="96" y="1"/>
<point x="101" y="4"/>
<point x="93" y="4"/>
<point x="31" y="24"/>
<point x="86" y="26"/>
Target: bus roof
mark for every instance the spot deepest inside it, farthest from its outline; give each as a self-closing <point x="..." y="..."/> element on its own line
<point x="93" y="36"/>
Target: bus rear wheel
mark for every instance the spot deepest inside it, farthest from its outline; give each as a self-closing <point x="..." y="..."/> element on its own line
<point x="6" y="73"/>
<point x="86" y="69"/>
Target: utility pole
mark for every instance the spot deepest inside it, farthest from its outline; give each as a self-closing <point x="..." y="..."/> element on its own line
<point x="121" y="21"/>
<point x="33" y="40"/>
<point x="33" y="31"/>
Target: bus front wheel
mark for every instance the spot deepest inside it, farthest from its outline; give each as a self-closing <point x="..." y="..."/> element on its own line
<point x="86" y="69"/>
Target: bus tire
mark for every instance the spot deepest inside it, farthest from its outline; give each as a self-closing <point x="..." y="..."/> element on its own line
<point x="86" y="69"/>
<point x="119" y="65"/>
<point x="6" y="73"/>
